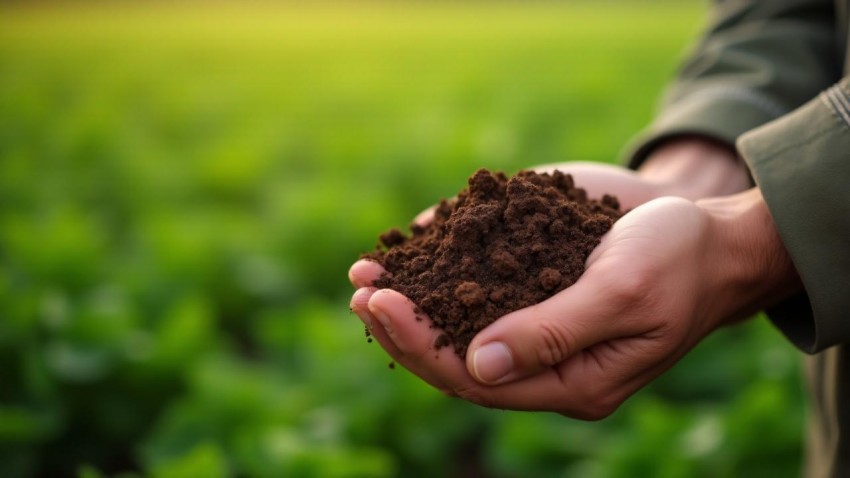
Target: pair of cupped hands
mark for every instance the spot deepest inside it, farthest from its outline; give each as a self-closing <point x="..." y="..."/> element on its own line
<point x="697" y="250"/>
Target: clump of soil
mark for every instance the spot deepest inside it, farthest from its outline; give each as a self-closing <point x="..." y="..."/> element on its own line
<point x="501" y="245"/>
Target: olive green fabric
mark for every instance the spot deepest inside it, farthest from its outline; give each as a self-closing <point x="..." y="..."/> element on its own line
<point x="757" y="61"/>
<point x="763" y="76"/>
<point x="801" y="163"/>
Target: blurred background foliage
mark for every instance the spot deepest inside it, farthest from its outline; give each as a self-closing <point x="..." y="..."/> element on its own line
<point x="183" y="187"/>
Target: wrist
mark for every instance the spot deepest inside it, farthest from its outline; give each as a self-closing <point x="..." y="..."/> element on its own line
<point x="695" y="167"/>
<point x="750" y="268"/>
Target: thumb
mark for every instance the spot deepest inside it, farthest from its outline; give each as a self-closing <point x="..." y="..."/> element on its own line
<point x="535" y="338"/>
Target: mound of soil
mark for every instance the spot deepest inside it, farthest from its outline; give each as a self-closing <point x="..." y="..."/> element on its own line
<point x="501" y="245"/>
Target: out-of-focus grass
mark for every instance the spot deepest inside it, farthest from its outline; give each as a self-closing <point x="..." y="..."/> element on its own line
<point x="182" y="188"/>
<point x="269" y="107"/>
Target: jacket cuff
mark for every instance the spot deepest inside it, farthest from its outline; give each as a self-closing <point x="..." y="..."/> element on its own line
<point x="719" y="113"/>
<point x="800" y="164"/>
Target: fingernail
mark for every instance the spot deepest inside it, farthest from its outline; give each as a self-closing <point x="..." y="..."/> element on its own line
<point x="492" y="362"/>
<point x="361" y="312"/>
<point x="383" y="319"/>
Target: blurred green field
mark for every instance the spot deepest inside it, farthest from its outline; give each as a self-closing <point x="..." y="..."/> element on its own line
<point x="182" y="190"/>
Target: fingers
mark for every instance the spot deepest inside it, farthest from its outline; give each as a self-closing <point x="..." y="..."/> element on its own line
<point x="595" y="382"/>
<point x="379" y="324"/>
<point x="588" y="385"/>
<point x="411" y="343"/>
<point x="360" y="305"/>
<point x="533" y="339"/>
<point x="408" y="337"/>
<point x="395" y="312"/>
<point x="364" y="272"/>
<point x="425" y="217"/>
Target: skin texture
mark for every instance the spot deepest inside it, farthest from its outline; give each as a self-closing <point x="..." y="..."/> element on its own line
<point x="667" y="274"/>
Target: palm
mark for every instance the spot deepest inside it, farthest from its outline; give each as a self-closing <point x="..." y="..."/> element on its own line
<point x="598" y="179"/>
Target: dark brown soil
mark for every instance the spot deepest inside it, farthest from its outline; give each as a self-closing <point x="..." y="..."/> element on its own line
<point x="501" y="245"/>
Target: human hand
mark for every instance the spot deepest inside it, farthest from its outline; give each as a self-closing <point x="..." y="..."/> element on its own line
<point x="689" y="166"/>
<point x="666" y="275"/>
<point x="695" y="167"/>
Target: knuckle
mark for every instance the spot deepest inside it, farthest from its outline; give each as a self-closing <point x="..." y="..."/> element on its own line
<point x="633" y="287"/>
<point x="557" y="343"/>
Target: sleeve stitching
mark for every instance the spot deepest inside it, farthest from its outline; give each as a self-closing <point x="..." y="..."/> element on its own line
<point x="834" y="105"/>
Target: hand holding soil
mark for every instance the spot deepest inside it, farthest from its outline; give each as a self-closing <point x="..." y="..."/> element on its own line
<point x="657" y="283"/>
<point x="499" y="246"/>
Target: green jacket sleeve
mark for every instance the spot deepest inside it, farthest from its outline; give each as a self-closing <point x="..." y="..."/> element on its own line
<point x="757" y="61"/>
<point x="801" y="163"/>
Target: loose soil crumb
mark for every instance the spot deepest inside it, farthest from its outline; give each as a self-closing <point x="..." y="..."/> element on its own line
<point x="501" y="245"/>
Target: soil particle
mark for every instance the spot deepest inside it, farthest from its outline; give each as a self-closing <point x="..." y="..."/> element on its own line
<point x="470" y="294"/>
<point x="442" y="341"/>
<point x="549" y="278"/>
<point x="501" y="245"/>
